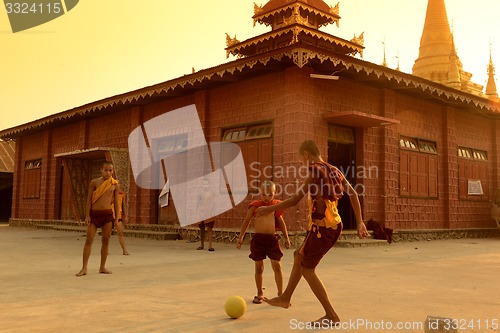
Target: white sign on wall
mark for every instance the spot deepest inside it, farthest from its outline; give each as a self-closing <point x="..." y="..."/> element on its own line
<point x="475" y="187"/>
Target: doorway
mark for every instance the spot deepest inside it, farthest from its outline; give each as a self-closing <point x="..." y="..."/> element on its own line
<point x="342" y="154"/>
<point x="6" y="190"/>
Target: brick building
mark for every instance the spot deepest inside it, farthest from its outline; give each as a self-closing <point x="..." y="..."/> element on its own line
<point x="422" y="154"/>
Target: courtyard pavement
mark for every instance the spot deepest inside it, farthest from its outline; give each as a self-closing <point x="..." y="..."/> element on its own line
<point x="168" y="286"/>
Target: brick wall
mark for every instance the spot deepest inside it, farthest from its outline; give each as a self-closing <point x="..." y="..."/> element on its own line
<point x="475" y="132"/>
<point x="295" y="104"/>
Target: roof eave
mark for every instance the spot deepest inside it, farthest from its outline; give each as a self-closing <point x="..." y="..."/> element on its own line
<point x="198" y="79"/>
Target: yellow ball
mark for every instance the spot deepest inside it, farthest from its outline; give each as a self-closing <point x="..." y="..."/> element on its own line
<point x="235" y="306"/>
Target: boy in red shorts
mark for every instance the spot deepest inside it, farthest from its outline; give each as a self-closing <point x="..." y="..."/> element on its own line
<point x="265" y="242"/>
<point x="98" y="214"/>
<point x="324" y="185"/>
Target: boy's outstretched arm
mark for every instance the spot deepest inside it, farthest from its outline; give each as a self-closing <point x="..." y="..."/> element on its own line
<point x="244" y="226"/>
<point x="354" y="199"/>
<point x="290" y="202"/>
<point x="284" y="230"/>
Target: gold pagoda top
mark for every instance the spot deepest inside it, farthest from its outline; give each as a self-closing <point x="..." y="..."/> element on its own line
<point x="438" y="60"/>
<point x="294" y="22"/>
<point x="491" y="86"/>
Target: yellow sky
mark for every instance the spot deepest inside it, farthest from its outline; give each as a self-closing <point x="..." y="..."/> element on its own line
<point x="103" y="48"/>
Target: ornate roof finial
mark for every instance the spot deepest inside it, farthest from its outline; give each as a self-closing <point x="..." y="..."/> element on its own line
<point x="360" y="40"/>
<point x="491" y="87"/>
<point x="335" y="10"/>
<point x="384" y="62"/>
<point x="230" y="42"/>
<point x="257" y="9"/>
<point x="397" y="57"/>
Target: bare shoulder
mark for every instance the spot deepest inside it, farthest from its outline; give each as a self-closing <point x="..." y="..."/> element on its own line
<point x="96" y="182"/>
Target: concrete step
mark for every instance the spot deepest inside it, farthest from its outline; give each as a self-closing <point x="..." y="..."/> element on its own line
<point x="159" y="235"/>
<point x="369" y="242"/>
<point x="69" y="228"/>
<point x="149" y="234"/>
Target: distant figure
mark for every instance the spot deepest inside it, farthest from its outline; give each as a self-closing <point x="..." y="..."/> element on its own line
<point x="204" y="211"/>
<point x="122" y="218"/>
<point x="265" y="242"/>
<point x="98" y="214"/>
<point x="209" y="224"/>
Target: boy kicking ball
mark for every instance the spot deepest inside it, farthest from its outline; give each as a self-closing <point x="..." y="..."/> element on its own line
<point x="265" y="242"/>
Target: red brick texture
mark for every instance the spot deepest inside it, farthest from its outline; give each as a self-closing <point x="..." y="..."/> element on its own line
<point x="295" y="105"/>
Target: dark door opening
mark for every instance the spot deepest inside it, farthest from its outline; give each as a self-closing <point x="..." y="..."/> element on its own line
<point x="6" y="189"/>
<point x="342" y="156"/>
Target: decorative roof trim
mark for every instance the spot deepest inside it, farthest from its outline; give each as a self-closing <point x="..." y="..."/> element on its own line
<point x="300" y="55"/>
<point x="296" y="29"/>
<point x="90" y="150"/>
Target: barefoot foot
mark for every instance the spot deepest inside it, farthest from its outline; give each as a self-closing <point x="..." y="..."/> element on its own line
<point x="104" y="271"/>
<point x="81" y="273"/>
<point x="125" y="253"/>
<point x="278" y="301"/>
<point x="326" y="322"/>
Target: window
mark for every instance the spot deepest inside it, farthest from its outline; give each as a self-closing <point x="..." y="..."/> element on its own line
<point x="32" y="179"/>
<point x="417" y="168"/>
<point x="427" y="146"/>
<point x="234" y="135"/>
<point x="472" y="174"/>
<point x="172" y="144"/>
<point x="464" y="152"/>
<point x="259" y="132"/>
<point x="340" y="134"/>
<point x="255" y="142"/>
<point x="248" y="133"/>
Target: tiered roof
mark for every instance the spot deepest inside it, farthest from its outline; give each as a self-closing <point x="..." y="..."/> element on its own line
<point x="294" y="22"/>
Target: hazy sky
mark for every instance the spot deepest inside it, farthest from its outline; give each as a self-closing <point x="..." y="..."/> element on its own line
<point x="104" y="48"/>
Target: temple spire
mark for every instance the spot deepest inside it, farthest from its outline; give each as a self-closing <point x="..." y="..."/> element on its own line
<point x="384" y="62"/>
<point x="491" y="87"/>
<point x="435" y="45"/>
<point x="438" y="60"/>
<point x="454" y="70"/>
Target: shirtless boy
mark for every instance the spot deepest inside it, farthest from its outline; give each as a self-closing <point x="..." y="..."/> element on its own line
<point x="98" y="214"/>
<point x="264" y="242"/>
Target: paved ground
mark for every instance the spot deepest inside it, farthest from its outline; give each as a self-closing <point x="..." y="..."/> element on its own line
<point x="168" y="286"/>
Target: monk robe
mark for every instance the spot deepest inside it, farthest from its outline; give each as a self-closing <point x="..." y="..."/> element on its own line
<point x="327" y="181"/>
<point x="100" y="217"/>
<point x="121" y="213"/>
<point x="103" y="188"/>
